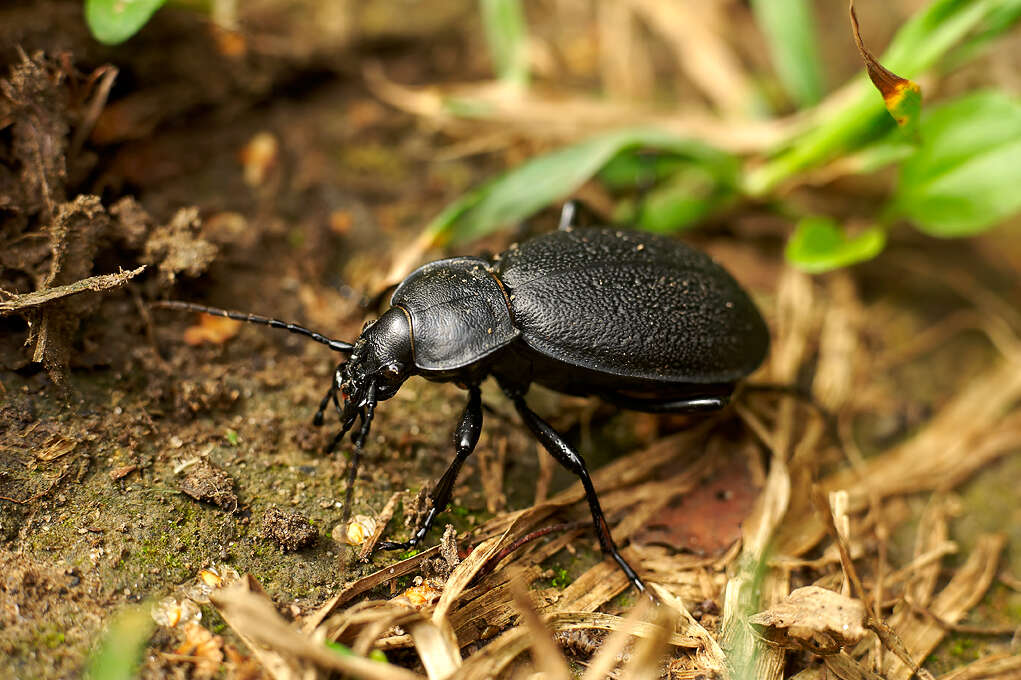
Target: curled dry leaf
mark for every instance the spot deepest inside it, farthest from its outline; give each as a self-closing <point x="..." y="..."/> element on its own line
<point x="902" y="97"/>
<point x="814" y="618"/>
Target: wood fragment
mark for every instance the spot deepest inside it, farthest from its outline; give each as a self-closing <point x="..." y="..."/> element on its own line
<point x="45" y="296"/>
<point x="381" y="521"/>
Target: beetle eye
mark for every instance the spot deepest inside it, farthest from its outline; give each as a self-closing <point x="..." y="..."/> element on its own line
<point x="393" y="369"/>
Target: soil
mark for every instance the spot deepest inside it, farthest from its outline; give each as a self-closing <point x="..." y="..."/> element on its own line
<point x="267" y="178"/>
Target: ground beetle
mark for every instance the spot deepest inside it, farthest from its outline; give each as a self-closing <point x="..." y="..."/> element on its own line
<point x="641" y="321"/>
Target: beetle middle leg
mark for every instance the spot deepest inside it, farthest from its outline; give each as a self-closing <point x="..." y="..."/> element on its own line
<point x="553" y="442"/>
<point x="466" y="436"/>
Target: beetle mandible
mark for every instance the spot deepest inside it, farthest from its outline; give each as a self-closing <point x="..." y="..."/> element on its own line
<point x="639" y="320"/>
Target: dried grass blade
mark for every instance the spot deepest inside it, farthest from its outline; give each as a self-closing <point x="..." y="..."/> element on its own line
<point x="846" y="668"/>
<point x="965" y="590"/>
<point x="381" y="521"/>
<point x="546" y="656"/>
<point x="992" y="667"/>
<point x="440" y="658"/>
<point x="710" y="655"/>
<point x="366" y="583"/>
<point x="649" y="651"/>
<point x="249" y="612"/>
<point x="969" y="432"/>
<point x="605" y="660"/>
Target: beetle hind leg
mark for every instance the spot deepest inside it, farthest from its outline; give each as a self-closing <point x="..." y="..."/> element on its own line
<point x="553" y="442"/>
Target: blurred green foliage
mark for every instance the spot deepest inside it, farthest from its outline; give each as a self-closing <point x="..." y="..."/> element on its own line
<point x="959" y="162"/>
<point x="114" y="21"/>
<point x="121" y="648"/>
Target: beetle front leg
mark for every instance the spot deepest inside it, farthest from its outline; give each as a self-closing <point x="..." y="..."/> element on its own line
<point x="466" y="436"/>
<point x="553" y="442"/>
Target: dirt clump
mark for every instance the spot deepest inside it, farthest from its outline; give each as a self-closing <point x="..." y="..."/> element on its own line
<point x="208" y="483"/>
<point x="292" y="531"/>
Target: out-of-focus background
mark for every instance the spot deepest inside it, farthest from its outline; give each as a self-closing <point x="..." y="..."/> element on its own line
<point x="295" y="159"/>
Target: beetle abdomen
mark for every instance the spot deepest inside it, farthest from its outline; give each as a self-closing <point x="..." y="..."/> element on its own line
<point x="634" y="305"/>
<point x="458" y="313"/>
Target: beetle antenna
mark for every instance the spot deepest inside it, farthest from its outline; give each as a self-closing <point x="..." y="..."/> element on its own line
<point x="335" y="345"/>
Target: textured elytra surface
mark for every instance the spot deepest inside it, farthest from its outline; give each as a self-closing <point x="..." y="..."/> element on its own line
<point x="633" y="305"/>
<point x="458" y="313"/>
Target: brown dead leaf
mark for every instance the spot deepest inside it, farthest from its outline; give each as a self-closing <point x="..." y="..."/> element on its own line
<point x="284" y="649"/>
<point x="215" y="330"/>
<point x="708" y="520"/>
<point x="815" y="619"/>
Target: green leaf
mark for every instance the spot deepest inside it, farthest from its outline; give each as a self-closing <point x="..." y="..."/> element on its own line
<point x="818" y="245"/>
<point x="641" y="169"/>
<point x="343" y="650"/>
<point x="789" y="27"/>
<point x="120" y="650"/>
<point x="114" y="21"/>
<point x="552" y="177"/>
<point x="507" y="37"/>
<point x="339" y="648"/>
<point x="691" y="195"/>
<point x="964" y="178"/>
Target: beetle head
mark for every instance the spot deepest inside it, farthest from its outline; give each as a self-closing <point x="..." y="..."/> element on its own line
<point x="379" y="364"/>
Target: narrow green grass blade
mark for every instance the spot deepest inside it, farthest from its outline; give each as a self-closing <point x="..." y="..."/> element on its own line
<point x="552" y="177"/>
<point x="789" y="27"/>
<point x="507" y="37"/>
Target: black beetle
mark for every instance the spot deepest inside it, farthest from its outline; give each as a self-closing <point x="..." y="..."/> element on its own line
<point x="639" y="320"/>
